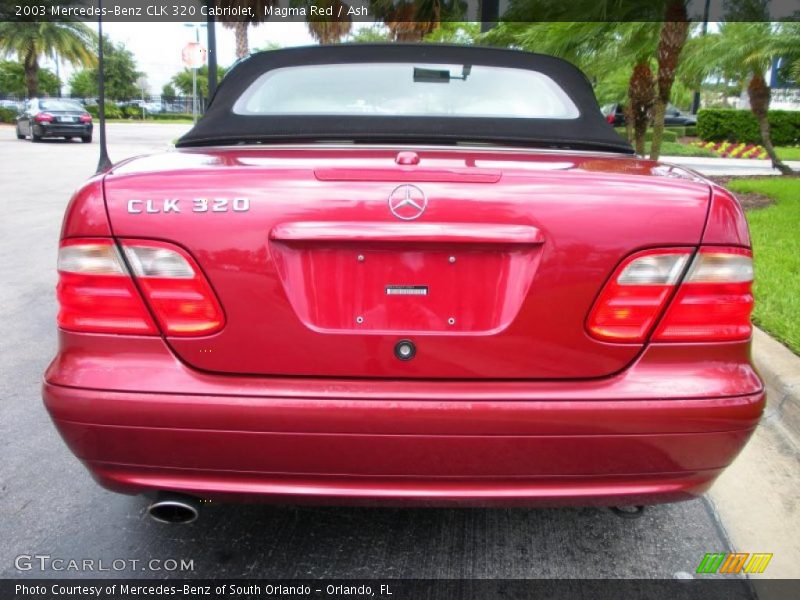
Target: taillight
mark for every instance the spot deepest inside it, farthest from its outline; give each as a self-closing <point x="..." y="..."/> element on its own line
<point x="713" y="303"/>
<point x="633" y="298"/>
<point x="85" y="118"/>
<point x="43" y="117"/>
<point x="97" y="294"/>
<point x="610" y="119"/>
<point x="175" y="288"/>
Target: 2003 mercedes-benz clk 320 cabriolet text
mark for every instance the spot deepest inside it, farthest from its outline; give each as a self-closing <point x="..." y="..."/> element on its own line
<point x="404" y="274"/>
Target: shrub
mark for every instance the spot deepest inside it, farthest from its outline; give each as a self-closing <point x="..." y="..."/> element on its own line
<point x="717" y="125"/>
<point x="112" y="111"/>
<point x="170" y="116"/>
<point x="132" y="112"/>
<point x="668" y="135"/>
<point x="8" y="115"/>
<point x="680" y="131"/>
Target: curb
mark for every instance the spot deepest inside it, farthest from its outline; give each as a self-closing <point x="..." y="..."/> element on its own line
<point x="765" y="164"/>
<point x="780" y="369"/>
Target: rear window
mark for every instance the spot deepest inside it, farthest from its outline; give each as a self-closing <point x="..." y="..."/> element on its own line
<point x="406" y="89"/>
<point x="59" y="105"/>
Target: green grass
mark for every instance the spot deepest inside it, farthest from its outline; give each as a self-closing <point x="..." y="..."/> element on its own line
<point x="678" y="149"/>
<point x="775" y="231"/>
<point x="788" y="152"/>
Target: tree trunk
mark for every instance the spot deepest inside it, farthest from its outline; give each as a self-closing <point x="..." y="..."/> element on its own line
<point x="659" y="110"/>
<point x="31" y="65"/>
<point x="407" y="24"/>
<point x="670" y="44"/>
<point x="242" y="45"/>
<point x="628" y="122"/>
<point x="331" y="31"/>
<point x="641" y="90"/>
<point x="759" y="93"/>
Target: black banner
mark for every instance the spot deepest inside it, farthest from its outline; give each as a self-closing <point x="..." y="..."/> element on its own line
<point x="392" y="589"/>
<point x="398" y="11"/>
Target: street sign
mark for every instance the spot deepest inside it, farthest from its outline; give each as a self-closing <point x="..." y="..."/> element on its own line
<point x="194" y="55"/>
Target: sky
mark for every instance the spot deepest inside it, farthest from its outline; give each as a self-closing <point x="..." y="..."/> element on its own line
<point x="157" y="46"/>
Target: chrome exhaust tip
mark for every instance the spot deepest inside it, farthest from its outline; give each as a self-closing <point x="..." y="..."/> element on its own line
<point x="174" y="508"/>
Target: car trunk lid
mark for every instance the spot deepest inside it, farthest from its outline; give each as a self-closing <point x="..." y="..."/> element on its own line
<point x="325" y="258"/>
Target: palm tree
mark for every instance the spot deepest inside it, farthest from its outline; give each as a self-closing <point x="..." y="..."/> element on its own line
<point x="597" y="47"/>
<point x="635" y="38"/>
<point x="331" y="30"/>
<point x="240" y="31"/>
<point x="29" y="41"/>
<point x="672" y="38"/>
<point x="745" y="51"/>
<point x="240" y="25"/>
<point x="641" y="94"/>
<point x="412" y="20"/>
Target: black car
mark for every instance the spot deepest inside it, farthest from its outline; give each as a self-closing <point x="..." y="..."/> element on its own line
<point x="615" y="114"/>
<point x="54" y="117"/>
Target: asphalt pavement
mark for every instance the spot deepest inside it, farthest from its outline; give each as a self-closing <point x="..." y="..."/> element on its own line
<point x="49" y="505"/>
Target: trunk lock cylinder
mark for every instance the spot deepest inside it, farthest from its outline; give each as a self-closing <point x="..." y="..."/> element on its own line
<point x="405" y="349"/>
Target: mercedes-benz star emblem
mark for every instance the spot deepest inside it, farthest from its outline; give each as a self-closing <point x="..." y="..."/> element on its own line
<point x="407" y="202"/>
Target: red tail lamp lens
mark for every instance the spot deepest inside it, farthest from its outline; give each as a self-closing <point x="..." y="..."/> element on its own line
<point x="635" y="295"/>
<point x="713" y="303"/>
<point x="97" y="293"/>
<point x="175" y="288"/>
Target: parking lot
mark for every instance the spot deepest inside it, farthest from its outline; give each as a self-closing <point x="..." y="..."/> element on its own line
<point x="50" y="506"/>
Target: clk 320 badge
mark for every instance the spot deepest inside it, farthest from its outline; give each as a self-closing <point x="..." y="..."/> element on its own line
<point x="173" y="205"/>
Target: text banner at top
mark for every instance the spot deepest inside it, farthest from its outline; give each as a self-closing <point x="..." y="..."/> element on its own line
<point x="410" y="11"/>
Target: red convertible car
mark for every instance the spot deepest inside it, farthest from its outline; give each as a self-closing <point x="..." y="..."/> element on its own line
<point x="403" y="275"/>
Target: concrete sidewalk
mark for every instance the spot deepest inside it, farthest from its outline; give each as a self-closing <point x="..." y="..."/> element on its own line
<point x="716" y="167"/>
<point x="757" y="499"/>
<point x="780" y="369"/>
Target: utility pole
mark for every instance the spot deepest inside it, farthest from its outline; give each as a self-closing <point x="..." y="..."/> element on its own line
<point x="490" y="13"/>
<point x="142" y="83"/>
<point x="696" y="98"/>
<point x="58" y="72"/>
<point x="195" y="104"/>
<point x="212" y="53"/>
<point x="104" y="163"/>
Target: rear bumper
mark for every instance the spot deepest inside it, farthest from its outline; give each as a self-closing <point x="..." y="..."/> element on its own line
<point x="483" y="443"/>
<point x="62" y="129"/>
<point x="536" y="453"/>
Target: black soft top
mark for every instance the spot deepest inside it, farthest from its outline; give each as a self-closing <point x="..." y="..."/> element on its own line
<point x="220" y="125"/>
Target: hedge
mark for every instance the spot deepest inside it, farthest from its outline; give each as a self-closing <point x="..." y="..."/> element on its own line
<point x="667" y="136"/>
<point x="131" y="112"/>
<point x="134" y="112"/>
<point x="720" y="125"/>
<point x="112" y="111"/>
<point x="7" y="115"/>
<point x="170" y="116"/>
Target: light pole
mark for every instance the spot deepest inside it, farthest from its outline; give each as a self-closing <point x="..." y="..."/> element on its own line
<point x="196" y="27"/>
<point x="696" y="97"/>
<point x="104" y="163"/>
<point x="212" y="52"/>
<point x="142" y="83"/>
<point x="58" y="72"/>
